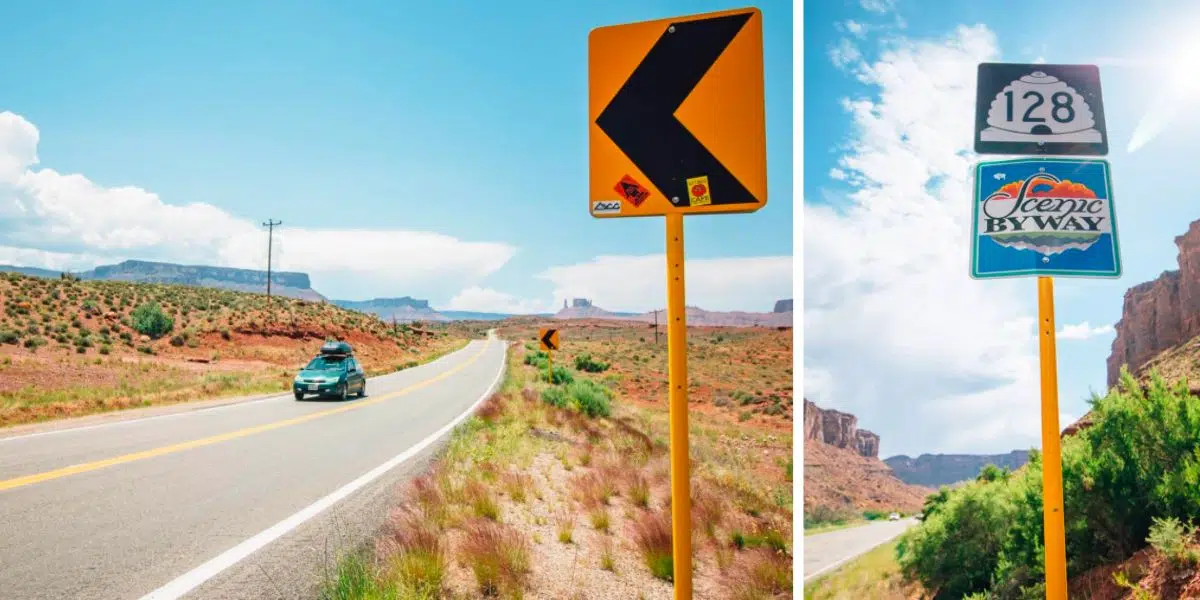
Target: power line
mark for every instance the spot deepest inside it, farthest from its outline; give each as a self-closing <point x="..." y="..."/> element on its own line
<point x="270" y="225"/>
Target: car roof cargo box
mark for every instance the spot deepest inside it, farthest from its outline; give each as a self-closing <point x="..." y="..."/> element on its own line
<point x="333" y="347"/>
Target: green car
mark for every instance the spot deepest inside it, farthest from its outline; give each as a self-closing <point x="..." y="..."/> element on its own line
<point x="334" y="372"/>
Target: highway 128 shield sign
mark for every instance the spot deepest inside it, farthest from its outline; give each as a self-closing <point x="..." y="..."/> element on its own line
<point x="1044" y="216"/>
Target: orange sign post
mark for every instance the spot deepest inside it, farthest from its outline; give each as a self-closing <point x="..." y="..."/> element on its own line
<point x="677" y="126"/>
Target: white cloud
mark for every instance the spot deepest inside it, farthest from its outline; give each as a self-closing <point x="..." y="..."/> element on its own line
<point x="927" y="357"/>
<point x="856" y="28"/>
<point x="480" y="299"/>
<point x="61" y="220"/>
<point x="837" y="174"/>
<point x="1040" y="60"/>
<point x="638" y="283"/>
<point x="877" y="6"/>
<point x="844" y="54"/>
<point x="1083" y="331"/>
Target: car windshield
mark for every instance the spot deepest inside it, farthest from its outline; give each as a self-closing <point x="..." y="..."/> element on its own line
<point x="326" y="363"/>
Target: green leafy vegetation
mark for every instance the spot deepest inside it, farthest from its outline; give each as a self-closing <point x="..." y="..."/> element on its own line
<point x="149" y="319"/>
<point x="587" y="364"/>
<point x="1133" y="476"/>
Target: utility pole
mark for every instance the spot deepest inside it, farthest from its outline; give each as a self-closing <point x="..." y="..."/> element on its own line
<point x="656" y="327"/>
<point x="270" y="225"/>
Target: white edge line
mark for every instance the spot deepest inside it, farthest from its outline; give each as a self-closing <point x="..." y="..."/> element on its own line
<point x="854" y="556"/>
<point x="194" y="578"/>
<point x="209" y="410"/>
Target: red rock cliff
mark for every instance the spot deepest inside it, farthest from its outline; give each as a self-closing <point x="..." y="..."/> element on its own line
<point x="838" y="429"/>
<point x="1159" y="314"/>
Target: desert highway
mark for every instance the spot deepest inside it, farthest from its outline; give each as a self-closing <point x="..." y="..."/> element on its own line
<point x="246" y="500"/>
<point x="825" y="552"/>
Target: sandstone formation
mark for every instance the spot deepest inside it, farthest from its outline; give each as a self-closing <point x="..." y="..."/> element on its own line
<point x="838" y="429"/>
<point x="1160" y="314"/>
<point x="842" y="470"/>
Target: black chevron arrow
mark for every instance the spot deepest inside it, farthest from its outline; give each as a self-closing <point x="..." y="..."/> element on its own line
<point x="641" y="117"/>
<point x="548" y="339"/>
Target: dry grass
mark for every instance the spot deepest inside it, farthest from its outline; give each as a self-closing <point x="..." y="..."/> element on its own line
<point x="498" y="556"/>
<point x="546" y="468"/>
<point x="482" y="501"/>
<point x="762" y="575"/>
<point x="566" y="527"/>
<point x="516" y="485"/>
<point x="652" y="534"/>
<point x="418" y="563"/>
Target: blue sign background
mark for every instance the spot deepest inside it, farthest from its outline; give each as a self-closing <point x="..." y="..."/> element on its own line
<point x="991" y="260"/>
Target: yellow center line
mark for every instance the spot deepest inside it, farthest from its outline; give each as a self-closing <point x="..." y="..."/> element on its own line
<point x="25" y="480"/>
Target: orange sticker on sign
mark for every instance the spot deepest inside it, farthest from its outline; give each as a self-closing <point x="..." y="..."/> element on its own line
<point x="632" y="191"/>
<point x="698" y="192"/>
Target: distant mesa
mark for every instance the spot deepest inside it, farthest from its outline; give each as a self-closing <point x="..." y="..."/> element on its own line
<point x="583" y="308"/>
<point x="402" y="309"/>
<point x="934" y="470"/>
<point x="283" y="283"/>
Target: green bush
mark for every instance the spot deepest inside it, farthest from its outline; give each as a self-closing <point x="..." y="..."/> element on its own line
<point x="957" y="549"/>
<point x="591" y="398"/>
<point x="8" y="336"/>
<point x="177" y="340"/>
<point x="874" y="515"/>
<point x="587" y="364"/>
<point x="555" y="396"/>
<point x="536" y="358"/>
<point x="558" y="375"/>
<point x="1172" y="539"/>
<point x="149" y="319"/>
<point x="1130" y="478"/>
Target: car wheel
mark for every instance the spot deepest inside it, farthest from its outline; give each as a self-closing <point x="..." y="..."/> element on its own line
<point x="299" y="395"/>
<point x="345" y="387"/>
<point x="362" y="389"/>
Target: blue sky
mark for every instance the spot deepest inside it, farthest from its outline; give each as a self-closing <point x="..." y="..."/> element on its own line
<point x="976" y="390"/>
<point x="465" y="119"/>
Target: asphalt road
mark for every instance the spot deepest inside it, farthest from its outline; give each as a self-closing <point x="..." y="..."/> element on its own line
<point x="247" y="500"/>
<point x="825" y="552"/>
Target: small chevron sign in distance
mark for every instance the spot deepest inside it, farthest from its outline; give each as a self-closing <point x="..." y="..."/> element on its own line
<point x="677" y="120"/>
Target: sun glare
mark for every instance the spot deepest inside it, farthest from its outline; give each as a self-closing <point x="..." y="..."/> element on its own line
<point x="1178" y="82"/>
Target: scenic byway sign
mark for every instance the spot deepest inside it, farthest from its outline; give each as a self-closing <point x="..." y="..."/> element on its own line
<point x="549" y="339"/>
<point x="1039" y="109"/>
<point x="1044" y="216"/>
<point x="676" y="118"/>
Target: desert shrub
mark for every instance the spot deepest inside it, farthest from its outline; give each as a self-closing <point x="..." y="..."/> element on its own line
<point x="105" y="349"/>
<point x="991" y="472"/>
<point x="536" y="359"/>
<point x="8" y="336"/>
<point x="587" y="364"/>
<point x="35" y="342"/>
<point x="1133" y="476"/>
<point x="591" y="398"/>
<point x="555" y="396"/>
<point x="149" y="319"/>
<point x="874" y="515"/>
<point x="957" y="550"/>
<point x="558" y="375"/>
<point x="1173" y="540"/>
